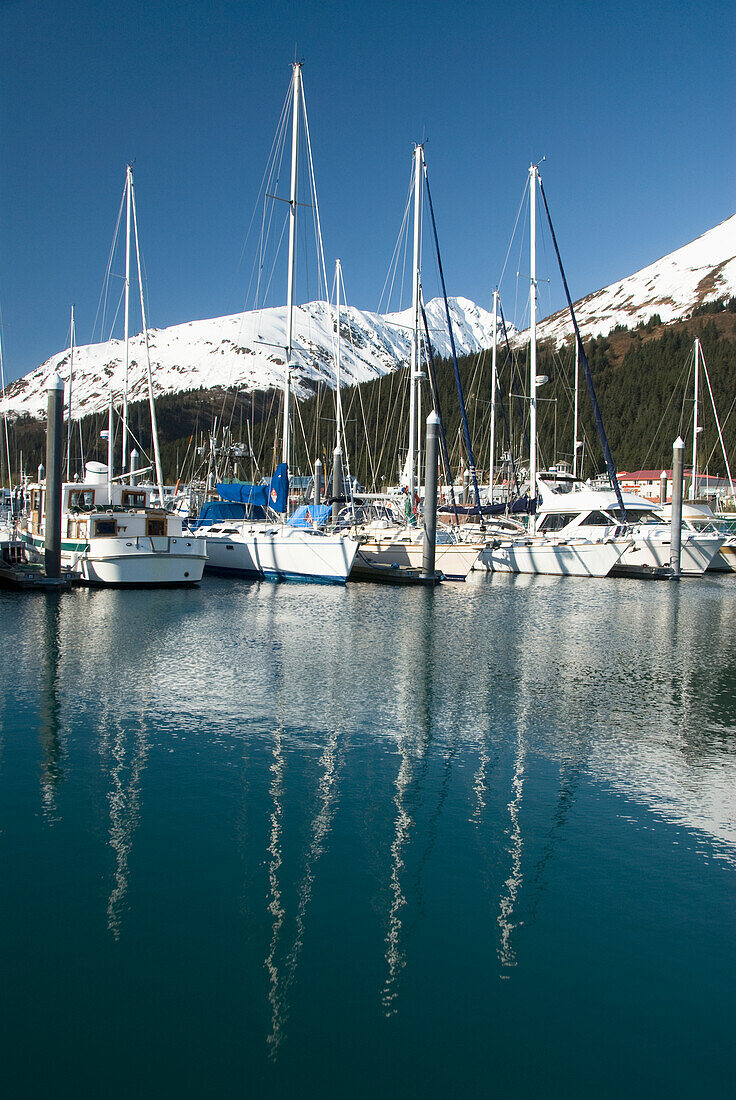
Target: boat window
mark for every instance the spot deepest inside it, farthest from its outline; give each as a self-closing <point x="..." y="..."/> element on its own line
<point x="156" y="526"/>
<point x="598" y="519"/>
<point x="132" y="499"/>
<point x="555" y="521"/>
<point x="81" y="500"/>
<point x="104" y="528"/>
<point x="642" y="515"/>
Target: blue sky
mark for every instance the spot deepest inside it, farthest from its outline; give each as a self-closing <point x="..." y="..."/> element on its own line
<point x="631" y="103"/>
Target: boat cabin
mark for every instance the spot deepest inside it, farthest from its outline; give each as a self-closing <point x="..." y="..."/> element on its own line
<point x="95" y="508"/>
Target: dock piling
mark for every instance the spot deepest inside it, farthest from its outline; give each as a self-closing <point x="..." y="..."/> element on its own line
<point x="338" y="486"/>
<point x="678" y="454"/>
<point x="52" y="502"/>
<point x="429" y="542"/>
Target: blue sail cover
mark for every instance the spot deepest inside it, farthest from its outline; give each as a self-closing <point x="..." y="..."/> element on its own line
<point x="274" y="494"/>
<point x="218" y="511"/>
<point x="307" y="515"/>
<point x="521" y="506"/>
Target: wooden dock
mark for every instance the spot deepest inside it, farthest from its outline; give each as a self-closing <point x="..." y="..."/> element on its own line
<point x="17" y="572"/>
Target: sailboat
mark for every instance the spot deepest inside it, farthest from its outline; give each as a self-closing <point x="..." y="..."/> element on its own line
<point x="385" y="545"/>
<point x="537" y="553"/>
<point x="258" y="545"/>
<point x="114" y="531"/>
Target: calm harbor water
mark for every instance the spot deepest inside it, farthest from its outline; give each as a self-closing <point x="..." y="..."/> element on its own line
<point x="263" y="839"/>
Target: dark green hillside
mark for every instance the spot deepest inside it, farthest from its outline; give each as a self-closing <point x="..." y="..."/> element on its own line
<point x="643" y="380"/>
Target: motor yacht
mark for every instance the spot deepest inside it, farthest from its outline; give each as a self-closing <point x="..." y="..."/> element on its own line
<point x="114" y="533"/>
<point x="571" y="509"/>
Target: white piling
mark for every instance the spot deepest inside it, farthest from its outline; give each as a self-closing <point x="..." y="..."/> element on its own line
<point x="429" y="542"/>
<point x="52" y="505"/>
<point x="678" y="455"/>
<point x="338" y="484"/>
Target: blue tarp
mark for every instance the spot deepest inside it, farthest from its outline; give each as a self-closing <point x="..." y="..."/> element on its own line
<point x="522" y="505"/>
<point x="308" y="514"/>
<point x="274" y="494"/>
<point x="215" y="511"/>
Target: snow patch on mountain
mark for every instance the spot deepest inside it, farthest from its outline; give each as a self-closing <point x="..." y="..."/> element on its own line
<point x="702" y="271"/>
<point x="247" y="351"/>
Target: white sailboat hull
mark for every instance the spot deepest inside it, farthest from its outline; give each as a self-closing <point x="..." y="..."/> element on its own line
<point x="454" y="560"/>
<point x="280" y="553"/>
<point x="541" y="556"/>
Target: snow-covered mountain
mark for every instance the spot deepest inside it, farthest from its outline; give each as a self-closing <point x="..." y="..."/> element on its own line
<point x="701" y="271"/>
<point x="247" y="350"/>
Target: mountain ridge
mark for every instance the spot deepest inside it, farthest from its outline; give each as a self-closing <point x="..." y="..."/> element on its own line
<point x="246" y="350"/>
<point x="701" y="271"/>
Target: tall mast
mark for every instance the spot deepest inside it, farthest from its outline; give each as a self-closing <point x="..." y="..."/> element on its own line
<point x="696" y="429"/>
<point x="494" y="383"/>
<point x="533" y="339"/>
<point x="71" y="382"/>
<point x="5" y="416"/>
<point x="154" y="426"/>
<point x="575" y="414"/>
<point x="128" y="191"/>
<point x="338" y="398"/>
<point x="414" y="370"/>
<point x="292" y="255"/>
<point x="110" y="449"/>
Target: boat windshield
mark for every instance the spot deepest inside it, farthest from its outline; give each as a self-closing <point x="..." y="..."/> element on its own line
<point x="556" y="521"/>
<point x="704" y="524"/>
<point x="643" y="515"/>
<point x="599" y="519"/>
<point x="561" y="484"/>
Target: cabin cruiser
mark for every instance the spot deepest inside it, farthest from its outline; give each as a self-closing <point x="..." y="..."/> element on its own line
<point x="571" y="509"/>
<point x="115" y="534"/>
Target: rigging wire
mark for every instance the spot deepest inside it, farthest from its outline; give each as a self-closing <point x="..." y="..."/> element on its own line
<point x="272" y="153"/>
<point x="102" y="301"/>
<point x="5" y="404"/>
<point x="359" y="387"/>
<point x="720" y="433"/>
<point x="318" y="228"/>
<point x="401" y="241"/>
<point x="675" y="389"/>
